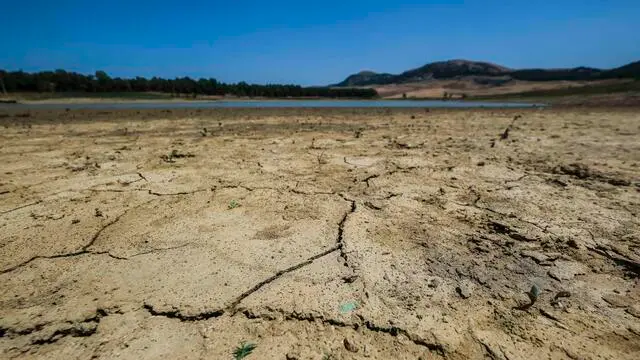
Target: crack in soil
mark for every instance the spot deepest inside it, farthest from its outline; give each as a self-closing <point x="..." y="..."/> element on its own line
<point x="20" y="207"/>
<point x="142" y="176"/>
<point x="83" y="328"/>
<point x="395" y="331"/>
<point x="154" y="250"/>
<point x="84" y="250"/>
<point x="475" y="204"/>
<point x="151" y="192"/>
<point x="232" y="307"/>
<point x="175" y="313"/>
<point x="314" y="193"/>
<point x="367" y="324"/>
<point x="340" y="238"/>
<point x="388" y="173"/>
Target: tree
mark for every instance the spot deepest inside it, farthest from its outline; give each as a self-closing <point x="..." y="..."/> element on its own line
<point x="62" y="81"/>
<point x="103" y="80"/>
<point x="2" y="75"/>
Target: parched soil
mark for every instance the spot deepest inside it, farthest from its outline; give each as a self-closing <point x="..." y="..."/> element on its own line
<point x="320" y="234"/>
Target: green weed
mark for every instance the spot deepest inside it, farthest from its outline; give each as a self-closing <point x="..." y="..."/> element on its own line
<point x="243" y="350"/>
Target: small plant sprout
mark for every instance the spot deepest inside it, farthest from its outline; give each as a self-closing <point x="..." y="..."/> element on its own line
<point x="534" y="293"/>
<point x="321" y="158"/>
<point x="243" y="350"/>
<point x="233" y="204"/>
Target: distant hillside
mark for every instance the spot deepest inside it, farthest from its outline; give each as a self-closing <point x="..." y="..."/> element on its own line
<point x="366" y="77"/>
<point x="631" y="70"/>
<point x="450" y="69"/>
<point x="460" y="68"/>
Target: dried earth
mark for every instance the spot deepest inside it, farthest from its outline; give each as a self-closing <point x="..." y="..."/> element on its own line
<point x="320" y="234"/>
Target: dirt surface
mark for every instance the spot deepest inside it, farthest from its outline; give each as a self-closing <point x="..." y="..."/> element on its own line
<point x="320" y="234"/>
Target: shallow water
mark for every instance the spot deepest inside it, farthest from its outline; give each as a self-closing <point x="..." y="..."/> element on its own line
<point x="280" y="104"/>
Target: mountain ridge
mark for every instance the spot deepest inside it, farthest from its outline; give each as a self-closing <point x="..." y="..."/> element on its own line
<point x="456" y="68"/>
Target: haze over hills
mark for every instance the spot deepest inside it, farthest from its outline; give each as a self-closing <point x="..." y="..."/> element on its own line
<point x="491" y="72"/>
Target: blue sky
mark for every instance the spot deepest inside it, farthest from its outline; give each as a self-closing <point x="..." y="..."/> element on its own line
<point x="311" y="42"/>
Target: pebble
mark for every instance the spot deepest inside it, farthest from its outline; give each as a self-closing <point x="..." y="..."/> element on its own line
<point x="465" y="289"/>
<point x="350" y="345"/>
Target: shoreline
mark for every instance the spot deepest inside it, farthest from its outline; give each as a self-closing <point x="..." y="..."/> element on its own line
<point x="85" y="103"/>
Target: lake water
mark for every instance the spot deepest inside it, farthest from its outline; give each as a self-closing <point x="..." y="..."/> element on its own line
<point x="278" y="104"/>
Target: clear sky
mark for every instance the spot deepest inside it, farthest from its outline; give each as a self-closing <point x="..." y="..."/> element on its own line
<point x="311" y="42"/>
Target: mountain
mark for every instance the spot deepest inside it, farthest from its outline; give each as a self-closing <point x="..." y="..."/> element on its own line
<point x="366" y="78"/>
<point x="450" y="69"/>
<point x="460" y="68"/>
<point x="631" y="70"/>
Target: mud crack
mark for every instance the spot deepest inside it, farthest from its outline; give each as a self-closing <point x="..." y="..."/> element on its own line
<point x="154" y="250"/>
<point x="84" y="250"/>
<point x="21" y="207"/>
<point x="395" y="331"/>
<point x="485" y="208"/>
<point x="83" y="328"/>
<point x="275" y="314"/>
<point x="232" y="307"/>
<point x="155" y="193"/>
<point x="175" y="313"/>
<point x="397" y="169"/>
<point x="340" y="237"/>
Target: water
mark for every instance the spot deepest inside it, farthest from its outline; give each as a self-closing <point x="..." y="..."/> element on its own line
<point x="277" y="104"/>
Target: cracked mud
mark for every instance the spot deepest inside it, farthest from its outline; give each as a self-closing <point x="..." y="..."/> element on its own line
<point x="320" y="234"/>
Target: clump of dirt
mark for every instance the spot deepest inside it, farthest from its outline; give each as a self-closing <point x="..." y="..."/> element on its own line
<point x="583" y="172"/>
<point x="175" y="154"/>
<point x="577" y="170"/>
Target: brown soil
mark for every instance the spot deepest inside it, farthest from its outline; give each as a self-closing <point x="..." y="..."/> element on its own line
<point x="320" y="234"/>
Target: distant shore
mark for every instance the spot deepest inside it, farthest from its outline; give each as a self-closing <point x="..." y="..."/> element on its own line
<point x="625" y="99"/>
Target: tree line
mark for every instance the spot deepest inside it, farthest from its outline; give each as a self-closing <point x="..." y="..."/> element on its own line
<point x="101" y="82"/>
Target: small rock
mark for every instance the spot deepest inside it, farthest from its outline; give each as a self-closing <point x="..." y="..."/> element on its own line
<point x="292" y="355"/>
<point x="562" y="294"/>
<point x="481" y="163"/>
<point x="350" y="345"/>
<point x="465" y="289"/>
<point x="566" y="270"/>
<point x="434" y="283"/>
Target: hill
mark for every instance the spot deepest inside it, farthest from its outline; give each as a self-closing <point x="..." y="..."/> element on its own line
<point x="365" y="78"/>
<point x="454" y="69"/>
